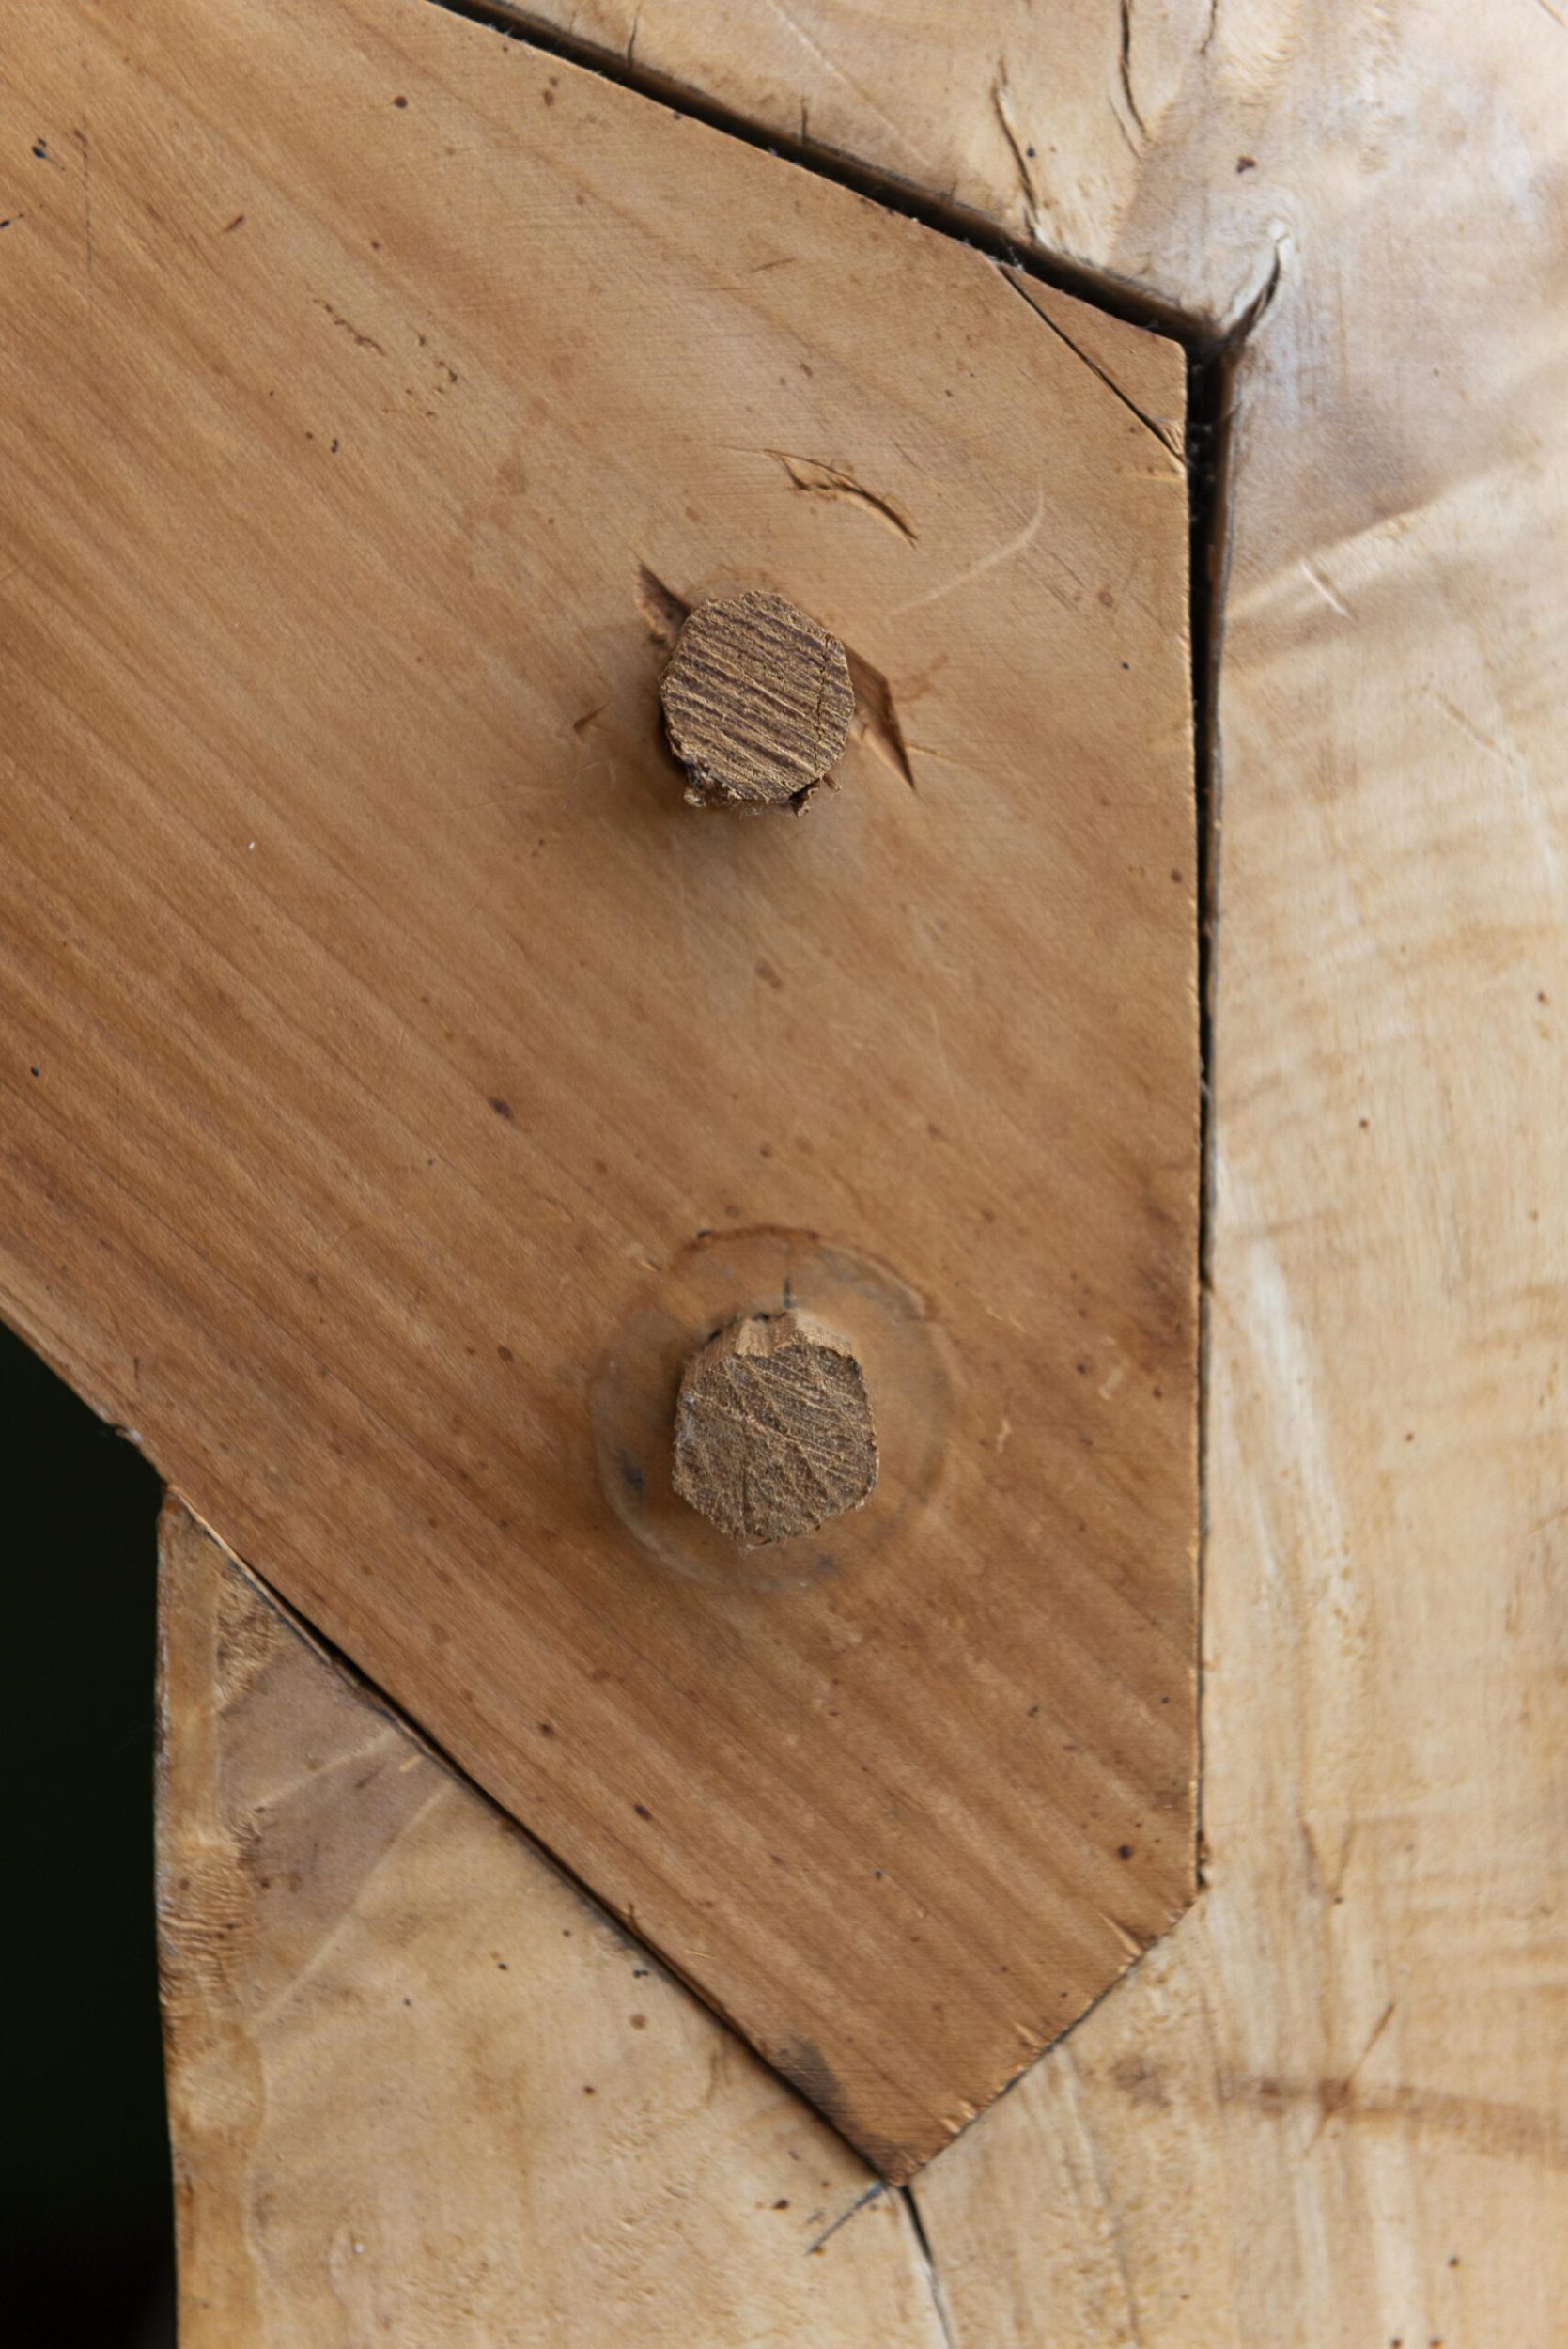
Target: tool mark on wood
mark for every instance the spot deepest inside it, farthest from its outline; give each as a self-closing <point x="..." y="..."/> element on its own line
<point x="1022" y="154"/>
<point x="819" y="479"/>
<point x="1124" y="69"/>
<point x="878" y="718"/>
<point x="665" y="613"/>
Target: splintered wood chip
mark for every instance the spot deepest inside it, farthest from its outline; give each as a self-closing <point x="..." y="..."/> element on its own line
<point x="773" y="1430"/>
<point x="757" y="702"/>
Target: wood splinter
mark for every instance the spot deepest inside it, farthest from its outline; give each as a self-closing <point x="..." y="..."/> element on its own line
<point x="758" y="703"/>
<point x="773" y="1430"/>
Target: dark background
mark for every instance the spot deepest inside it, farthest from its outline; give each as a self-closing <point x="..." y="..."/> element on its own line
<point x="85" y="2208"/>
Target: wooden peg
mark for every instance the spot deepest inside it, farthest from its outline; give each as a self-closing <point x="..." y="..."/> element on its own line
<point x="774" y="1429"/>
<point x="758" y="703"/>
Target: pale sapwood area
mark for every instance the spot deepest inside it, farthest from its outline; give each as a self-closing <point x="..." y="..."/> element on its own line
<point x="1329" y="2108"/>
<point x="389" y="1041"/>
<point x="420" y="2090"/>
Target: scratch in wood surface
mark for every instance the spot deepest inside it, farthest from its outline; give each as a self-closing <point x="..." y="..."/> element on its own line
<point x="1129" y="1941"/>
<point x="261" y="2016"/>
<point x="939" y="1047"/>
<point x="1327" y="1883"/>
<point x="1110" y="2210"/>
<point x="1544" y="1525"/>
<point x="1467" y="725"/>
<point x="831" y="65"/>
<point x="1150" y="423"/>
<point x="879" y="2186"/>
<point x="1336" y="2093"/>
<point x="1256" y="306"/>
<point x="1001" y="106"/>
<point x="1004" y="554"/>
<point x="818" y="478"/>
<point x="81" y="141"/>
<point x="1125" y="64"/>
<point x="1329" y="598"/>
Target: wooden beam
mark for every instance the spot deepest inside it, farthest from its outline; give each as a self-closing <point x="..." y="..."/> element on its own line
<point x="393" y="1050"/>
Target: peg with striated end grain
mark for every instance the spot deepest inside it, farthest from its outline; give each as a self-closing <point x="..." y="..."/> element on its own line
<point x="758" y="703"/>
<point x="774" y="1429"/>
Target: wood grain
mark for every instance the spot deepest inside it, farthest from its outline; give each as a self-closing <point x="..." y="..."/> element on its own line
<point x="1327" y="2108"/>
<point x="420" y="2090"/>
<point x="379" y="1023"/>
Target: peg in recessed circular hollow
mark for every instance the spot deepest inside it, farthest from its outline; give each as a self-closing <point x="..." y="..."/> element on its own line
<point x="758" y="703"/>
<point x="774" y="1429"/>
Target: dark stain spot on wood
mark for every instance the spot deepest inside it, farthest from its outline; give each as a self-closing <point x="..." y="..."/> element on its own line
<point x="501" y="1108"/>
<point x="805" y="2067"/>
<point x="1516" y="2132"/>
<point x="1139" y="2079"/>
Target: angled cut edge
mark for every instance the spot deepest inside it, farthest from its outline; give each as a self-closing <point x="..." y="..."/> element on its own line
<point x="383" y="1061"/>
<point x="413" y="2072"/>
